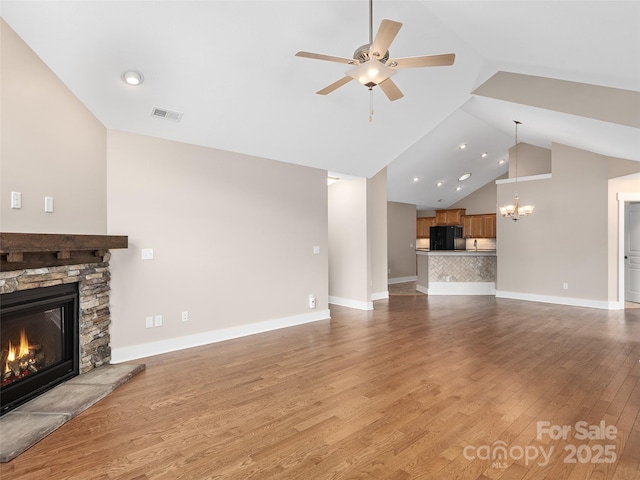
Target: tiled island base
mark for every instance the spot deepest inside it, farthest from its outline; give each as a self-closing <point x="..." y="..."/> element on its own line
<point x="457" y="272"/>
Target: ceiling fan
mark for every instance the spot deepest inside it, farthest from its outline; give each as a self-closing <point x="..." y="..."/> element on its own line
<point x="372" y="66"/>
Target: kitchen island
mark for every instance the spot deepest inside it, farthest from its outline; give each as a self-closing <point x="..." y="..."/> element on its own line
<point x="456" y="272"/>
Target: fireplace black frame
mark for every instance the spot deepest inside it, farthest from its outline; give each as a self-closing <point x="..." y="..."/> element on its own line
<point x="65" y="297"/>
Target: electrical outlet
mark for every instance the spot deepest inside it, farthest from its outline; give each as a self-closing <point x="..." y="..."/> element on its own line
<point x="157" y="321"/>
<point x="185" y="316"/>
<point x="312" y="301"/>
<point x="565" y="286"/>
<point x="147" y="254"/>
<point x="149" y="322"/>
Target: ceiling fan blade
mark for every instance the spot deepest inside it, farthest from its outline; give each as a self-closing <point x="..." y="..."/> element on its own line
<point x="425" y="61"/>
<point x="328" y="58"/>
<point x="386" y="33"/>
<point x="344" y="80"/>
<point x="390" y="89"/>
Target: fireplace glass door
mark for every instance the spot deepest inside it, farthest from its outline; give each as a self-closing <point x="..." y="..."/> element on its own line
<point x="38" y="341"/>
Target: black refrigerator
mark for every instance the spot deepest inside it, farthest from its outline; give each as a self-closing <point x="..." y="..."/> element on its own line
<point x="446" y="238"/>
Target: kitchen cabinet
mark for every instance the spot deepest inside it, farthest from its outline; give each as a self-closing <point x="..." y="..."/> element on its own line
<point x="422" y="226"/>
<point x="489" y="225"/>
<point x="479" y="226"/>
<point x="452" y="216"/>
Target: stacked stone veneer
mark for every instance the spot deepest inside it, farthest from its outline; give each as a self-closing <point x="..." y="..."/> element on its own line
<point x="94" y="316"/>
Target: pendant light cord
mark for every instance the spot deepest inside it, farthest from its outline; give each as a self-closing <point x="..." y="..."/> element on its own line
<point x="517" y="148"/>
<point x="370" y="44"/>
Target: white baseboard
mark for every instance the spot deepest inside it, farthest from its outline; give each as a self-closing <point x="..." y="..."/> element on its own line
<point x="461" y="288"/>
<point x="380" y="295"/>
<point x="347" y="302"/>
<point x="422" y="289"/>
<point x="125" y="354"/>
<point x="392" y="281"/>
<point x="572" y="302"/>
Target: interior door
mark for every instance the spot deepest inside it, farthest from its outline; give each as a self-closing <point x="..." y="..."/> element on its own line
<point x="632" y="253"/>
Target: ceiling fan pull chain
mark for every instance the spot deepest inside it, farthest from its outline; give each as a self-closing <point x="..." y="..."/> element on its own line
<point x="370" y="105"/>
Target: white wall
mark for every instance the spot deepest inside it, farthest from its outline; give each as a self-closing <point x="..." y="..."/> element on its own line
<point x="233" y="239"/>
<point x="50" y="146"/>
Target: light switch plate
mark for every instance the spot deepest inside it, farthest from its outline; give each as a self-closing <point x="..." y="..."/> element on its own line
<point x="48" y="204"/>
<point x="16" y="200"/>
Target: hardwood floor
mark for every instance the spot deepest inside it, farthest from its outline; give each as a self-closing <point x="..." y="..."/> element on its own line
<point x="420" y="388"/>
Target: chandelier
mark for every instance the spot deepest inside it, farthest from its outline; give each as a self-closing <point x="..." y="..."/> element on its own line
<point x="514" y="211"/>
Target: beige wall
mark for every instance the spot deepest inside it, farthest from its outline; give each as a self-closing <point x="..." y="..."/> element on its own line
<point x="483" y="200"/>
<point x="348" y="248"/>
<point x="401" y="234"/>
<point x="358" y="241"/>
<point x="532" y="160"/>
<point x="565" y="240"/>
<point x="50" y="146"/>
<point x="233" y="239"/>
<point x="377" y="233"/>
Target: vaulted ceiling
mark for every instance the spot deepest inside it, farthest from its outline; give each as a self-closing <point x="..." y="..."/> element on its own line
<point x="568" y="70"/>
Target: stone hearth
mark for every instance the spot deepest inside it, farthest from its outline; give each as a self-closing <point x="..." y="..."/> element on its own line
<point x="26" y="425"/>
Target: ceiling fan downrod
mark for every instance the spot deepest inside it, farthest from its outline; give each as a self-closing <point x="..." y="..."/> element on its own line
<point x="370" y="23"/>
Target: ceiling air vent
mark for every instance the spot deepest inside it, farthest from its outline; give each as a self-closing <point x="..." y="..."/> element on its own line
<point x="166" y="114"/>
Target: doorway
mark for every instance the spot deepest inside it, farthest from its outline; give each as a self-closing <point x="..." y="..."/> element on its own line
<point x="632" y="253"/>
<point x="625" y="199"/>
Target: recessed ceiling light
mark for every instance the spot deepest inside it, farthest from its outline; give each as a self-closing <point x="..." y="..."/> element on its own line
<point x="439" y="184"/>
<point x="484" y="155"/>
<point x="416" y="179"/>
<point x="463" y="146"/>
<point x="464" y="177"/>
<point x="458" y="188"/>
<point x="440" y="200"/>
<point x="501" y="161"/>
<point x="132" y="77"/>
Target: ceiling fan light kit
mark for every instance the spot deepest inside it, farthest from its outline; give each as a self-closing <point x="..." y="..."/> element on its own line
<point x="373" y="66"/>
<point x="371" y="73"/>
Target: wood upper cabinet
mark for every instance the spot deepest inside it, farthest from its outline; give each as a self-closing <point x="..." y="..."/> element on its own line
<point x="489" y="225"/>
<point x="479" y="226"/>
<point x="473" y="226"/>
<point x="452" y="216"/>
<point x="422" y="226"/>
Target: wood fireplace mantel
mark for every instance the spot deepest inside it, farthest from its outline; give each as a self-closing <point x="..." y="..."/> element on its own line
<point x="35" y="250"/>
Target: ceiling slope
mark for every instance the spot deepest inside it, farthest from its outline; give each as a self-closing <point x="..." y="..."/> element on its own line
<point x="229" y="67"/>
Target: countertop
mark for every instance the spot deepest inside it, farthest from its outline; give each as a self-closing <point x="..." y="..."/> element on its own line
<point x="461" y="253"/>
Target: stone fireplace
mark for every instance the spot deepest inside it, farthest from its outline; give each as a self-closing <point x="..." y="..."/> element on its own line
<point x="34" y="263"/>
